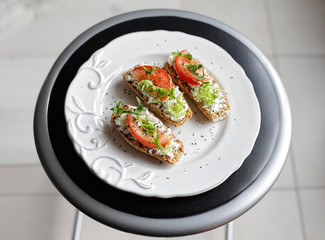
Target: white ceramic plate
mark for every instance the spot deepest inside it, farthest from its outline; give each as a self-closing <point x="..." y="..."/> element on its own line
<point x="213" y="151"/>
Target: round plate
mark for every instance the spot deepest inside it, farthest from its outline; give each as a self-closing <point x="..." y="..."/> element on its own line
<point x="151" y="215"/>
<point x="209" y="157"/>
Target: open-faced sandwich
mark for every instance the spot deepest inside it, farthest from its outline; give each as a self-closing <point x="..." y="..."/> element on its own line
<point x="156" y="89"/>
<point x="198" y="84"/>
<point x="142" y="130"/>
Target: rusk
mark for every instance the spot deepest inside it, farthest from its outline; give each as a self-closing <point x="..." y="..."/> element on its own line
<point x="186" y="88"/>
<point x="153" y="107"/>
<point x="177" y="154"/>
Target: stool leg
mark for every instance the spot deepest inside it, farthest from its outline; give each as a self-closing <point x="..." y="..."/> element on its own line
<point x="77" y="226"/>
<point x="230" y="231"/>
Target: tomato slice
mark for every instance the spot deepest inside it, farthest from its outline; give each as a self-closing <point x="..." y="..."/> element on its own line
<point x="143" y="138"/>
<point x="159" y="78"/>
<point x="186" y="74"/>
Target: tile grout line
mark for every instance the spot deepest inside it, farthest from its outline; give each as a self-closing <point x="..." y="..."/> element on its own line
<point x="296" y="188"/>
<point x="298" y="55"/>
<point x="283" y="189"/>
<point x="20" y="165"/>
<point x="297" y="193"/>
<point x="270" y="27"/>
<point x="30" y="195"/>
<point x="274" y="51"/>
<point x="294" y="170"/>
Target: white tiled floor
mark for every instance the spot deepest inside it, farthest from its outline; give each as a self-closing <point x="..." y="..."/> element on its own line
<point x="290" y="32"/>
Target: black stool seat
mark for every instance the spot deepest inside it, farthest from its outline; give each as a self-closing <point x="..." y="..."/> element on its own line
<point x="149" y="215"/>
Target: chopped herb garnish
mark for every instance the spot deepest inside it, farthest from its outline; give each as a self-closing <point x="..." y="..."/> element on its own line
<point x="208" y="93"/>
<point x="140" y="108"/>
<point x="147" y="85"/>
<point x="148" y="127"/>
<point x="187" y="55"/>
<point x="175" y="108"/>
<point x="160" y="147"/>
<point x="149" y="71"/>
<point x="193" y="69"/>
<point x="136" y="112"/>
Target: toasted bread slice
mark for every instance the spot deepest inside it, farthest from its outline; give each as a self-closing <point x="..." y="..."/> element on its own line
<point x="153" y="106"/>
<point x="120" y="123"/>
<point x="185" y="87"/>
